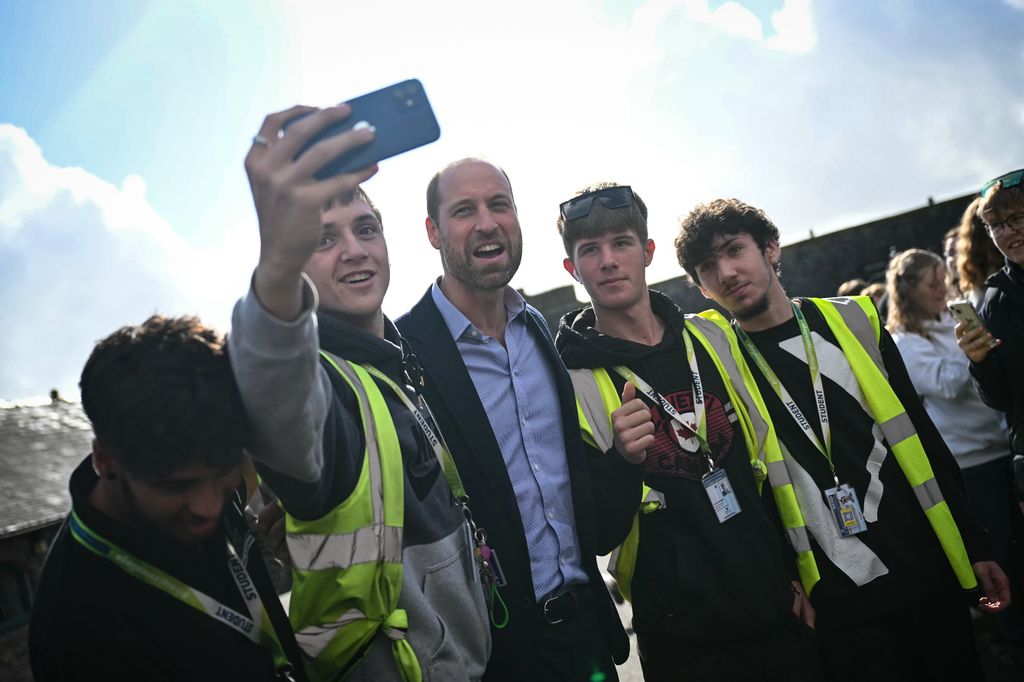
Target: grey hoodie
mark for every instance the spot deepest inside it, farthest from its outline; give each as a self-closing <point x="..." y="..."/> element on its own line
<point x="309" y="448"/>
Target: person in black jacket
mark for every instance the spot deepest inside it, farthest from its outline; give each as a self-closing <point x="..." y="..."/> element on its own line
<point x="898" y="562"/>
<point x="505" y="405"/>
<point x="712" y="594"/>
<point x="155" y="575"/>
<point x="997" y="355"/>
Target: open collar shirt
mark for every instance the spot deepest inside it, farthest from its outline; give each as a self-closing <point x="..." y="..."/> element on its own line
<point x="517" y="388"/>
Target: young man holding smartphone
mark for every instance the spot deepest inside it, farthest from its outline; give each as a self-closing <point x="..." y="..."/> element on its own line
<point x="679" y="473"/>
<point x="386" y="581"/>
<point x="998" y="369"/>
<point x="892" y="539"/>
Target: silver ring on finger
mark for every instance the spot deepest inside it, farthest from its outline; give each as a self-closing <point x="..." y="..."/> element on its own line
<point x="260" y="141"/>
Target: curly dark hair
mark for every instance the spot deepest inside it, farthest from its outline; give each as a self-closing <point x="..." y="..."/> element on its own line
<point x="706" y="222"/>
<point x="162" y="395"/>
<point x="601" y="219"/>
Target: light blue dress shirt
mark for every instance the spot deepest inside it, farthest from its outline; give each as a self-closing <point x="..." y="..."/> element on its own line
<point x="517" y="388"/>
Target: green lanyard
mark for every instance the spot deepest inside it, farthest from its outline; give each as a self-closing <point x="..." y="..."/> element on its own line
<point x="263" y="635"/>
<point x="787" y="399"/>
<point x="451" y="475"/>
<point x="699" y="406"/>
<point x="444" y="457"/>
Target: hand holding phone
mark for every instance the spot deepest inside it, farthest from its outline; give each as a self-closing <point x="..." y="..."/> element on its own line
<point x="974" y="340"/>
<point x="401" y="117"/>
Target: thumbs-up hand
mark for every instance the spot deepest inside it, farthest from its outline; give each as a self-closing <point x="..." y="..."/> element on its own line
<point x="633" y="427"/>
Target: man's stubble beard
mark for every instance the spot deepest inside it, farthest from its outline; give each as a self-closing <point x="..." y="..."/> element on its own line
<point x="458" y="265"/>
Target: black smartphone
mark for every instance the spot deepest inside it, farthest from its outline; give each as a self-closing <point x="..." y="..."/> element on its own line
<point x="403" y="120"/>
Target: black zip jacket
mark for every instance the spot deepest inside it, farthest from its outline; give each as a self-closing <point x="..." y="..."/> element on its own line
<point x="91" y="620"/>
<point x="709" y="584"/>
<point x="1000" y="377"/>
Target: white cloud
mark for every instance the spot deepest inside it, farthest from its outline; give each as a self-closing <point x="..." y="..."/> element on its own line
<point x="80" y="257"/>
<point x="793" y="24"/>
<point x="794" y="28"/>
<point x="1016" y="4"/>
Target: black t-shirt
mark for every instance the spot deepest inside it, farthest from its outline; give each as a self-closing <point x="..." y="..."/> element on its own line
<point x="898" y="560"/>
<point x="713" y="580"/>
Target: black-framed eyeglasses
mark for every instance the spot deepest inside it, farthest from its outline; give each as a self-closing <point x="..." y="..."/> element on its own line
<point x="1014" y="222"/>
<point x="620" y="196"/>
<point x="1011" y="179"/>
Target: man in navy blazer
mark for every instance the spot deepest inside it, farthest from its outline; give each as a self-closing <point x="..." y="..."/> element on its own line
<point x="505" y="404"/>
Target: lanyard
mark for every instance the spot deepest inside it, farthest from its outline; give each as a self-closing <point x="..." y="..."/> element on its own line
<point x="444" y="457"/>
<point x="787" y="399"/>
<point x="151" y="575"/>
<point x="486" y="557"/>
<point x="699" y="406"/>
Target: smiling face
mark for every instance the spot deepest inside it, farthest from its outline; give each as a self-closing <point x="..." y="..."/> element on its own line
<point x="477" y="229"/>
<point x="612" y="268"/>
<point x="350" y="267"/>
<point x="1007" y="232"/>
<point x="930" y="292"/>
<point x="739" y="276"/>
<point x="186" y="504"/>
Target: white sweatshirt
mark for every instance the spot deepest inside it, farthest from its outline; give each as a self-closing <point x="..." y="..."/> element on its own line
<point x="974" y="432"/>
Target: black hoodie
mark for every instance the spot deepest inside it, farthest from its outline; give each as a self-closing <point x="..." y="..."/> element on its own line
<point x="1000" y="377"/>
<point x="707" y="582"/>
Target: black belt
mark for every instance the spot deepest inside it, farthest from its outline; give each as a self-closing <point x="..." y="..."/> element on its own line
<point x="565" y="606"/>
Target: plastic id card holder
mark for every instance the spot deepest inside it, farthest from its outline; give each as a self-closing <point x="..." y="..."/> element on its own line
<point x="846" y="510"/>
<point x="723" y="498"/>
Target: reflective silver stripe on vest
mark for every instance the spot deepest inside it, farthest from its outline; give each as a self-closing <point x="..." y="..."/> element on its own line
<point x="585" y="385"/>
<point x="898" y="429"/>
<point x="312" y="552"/>
<point x="860" y="326"/>
<point x="928" y="494"/>
<point x="777" y="472"/>
<point x="716" y="337"/>
<point x="370" y="436"/>
<point x="655" y="496"/>
<point x="313" y="639"/>
<point x="799" y="538"/>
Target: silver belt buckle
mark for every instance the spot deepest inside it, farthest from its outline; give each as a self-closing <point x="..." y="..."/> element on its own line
<point x="548" y="602"/>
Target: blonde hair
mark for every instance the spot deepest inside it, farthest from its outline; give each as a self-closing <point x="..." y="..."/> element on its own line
<point x="905" y="272"/>
<point x="976" y="255"/>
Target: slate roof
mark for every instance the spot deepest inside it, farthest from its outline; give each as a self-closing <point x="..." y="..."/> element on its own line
<point x="40" y="445"/>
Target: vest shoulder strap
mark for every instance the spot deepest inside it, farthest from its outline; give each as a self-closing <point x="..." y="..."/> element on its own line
<point x="595" y="405"/>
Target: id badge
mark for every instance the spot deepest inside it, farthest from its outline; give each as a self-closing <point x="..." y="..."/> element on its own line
<point x="846" y="510"/>
<point x="492" y="565"/>
<point x="723" y="498"/>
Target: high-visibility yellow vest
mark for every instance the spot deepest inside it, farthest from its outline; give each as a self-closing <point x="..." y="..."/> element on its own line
<point x="596" y="399"/>
<point x="857" y="329"/>
<point x="347" y="564"/>
<point x="855" y="324"/>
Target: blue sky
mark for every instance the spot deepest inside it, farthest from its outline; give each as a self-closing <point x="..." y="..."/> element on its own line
<point x="123" y="126"/>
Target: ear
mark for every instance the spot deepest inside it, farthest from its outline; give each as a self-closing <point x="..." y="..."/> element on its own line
<point x="570" y="267"/>
<point x="773" y="252"/>
<point x="648" y="252"/>
<point x="704" y="292"/>
<point x="432" y="234"/>
<point x="103" y="463"/>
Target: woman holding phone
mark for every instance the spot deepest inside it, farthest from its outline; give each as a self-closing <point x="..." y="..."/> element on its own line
<point x="974" y="432"/>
